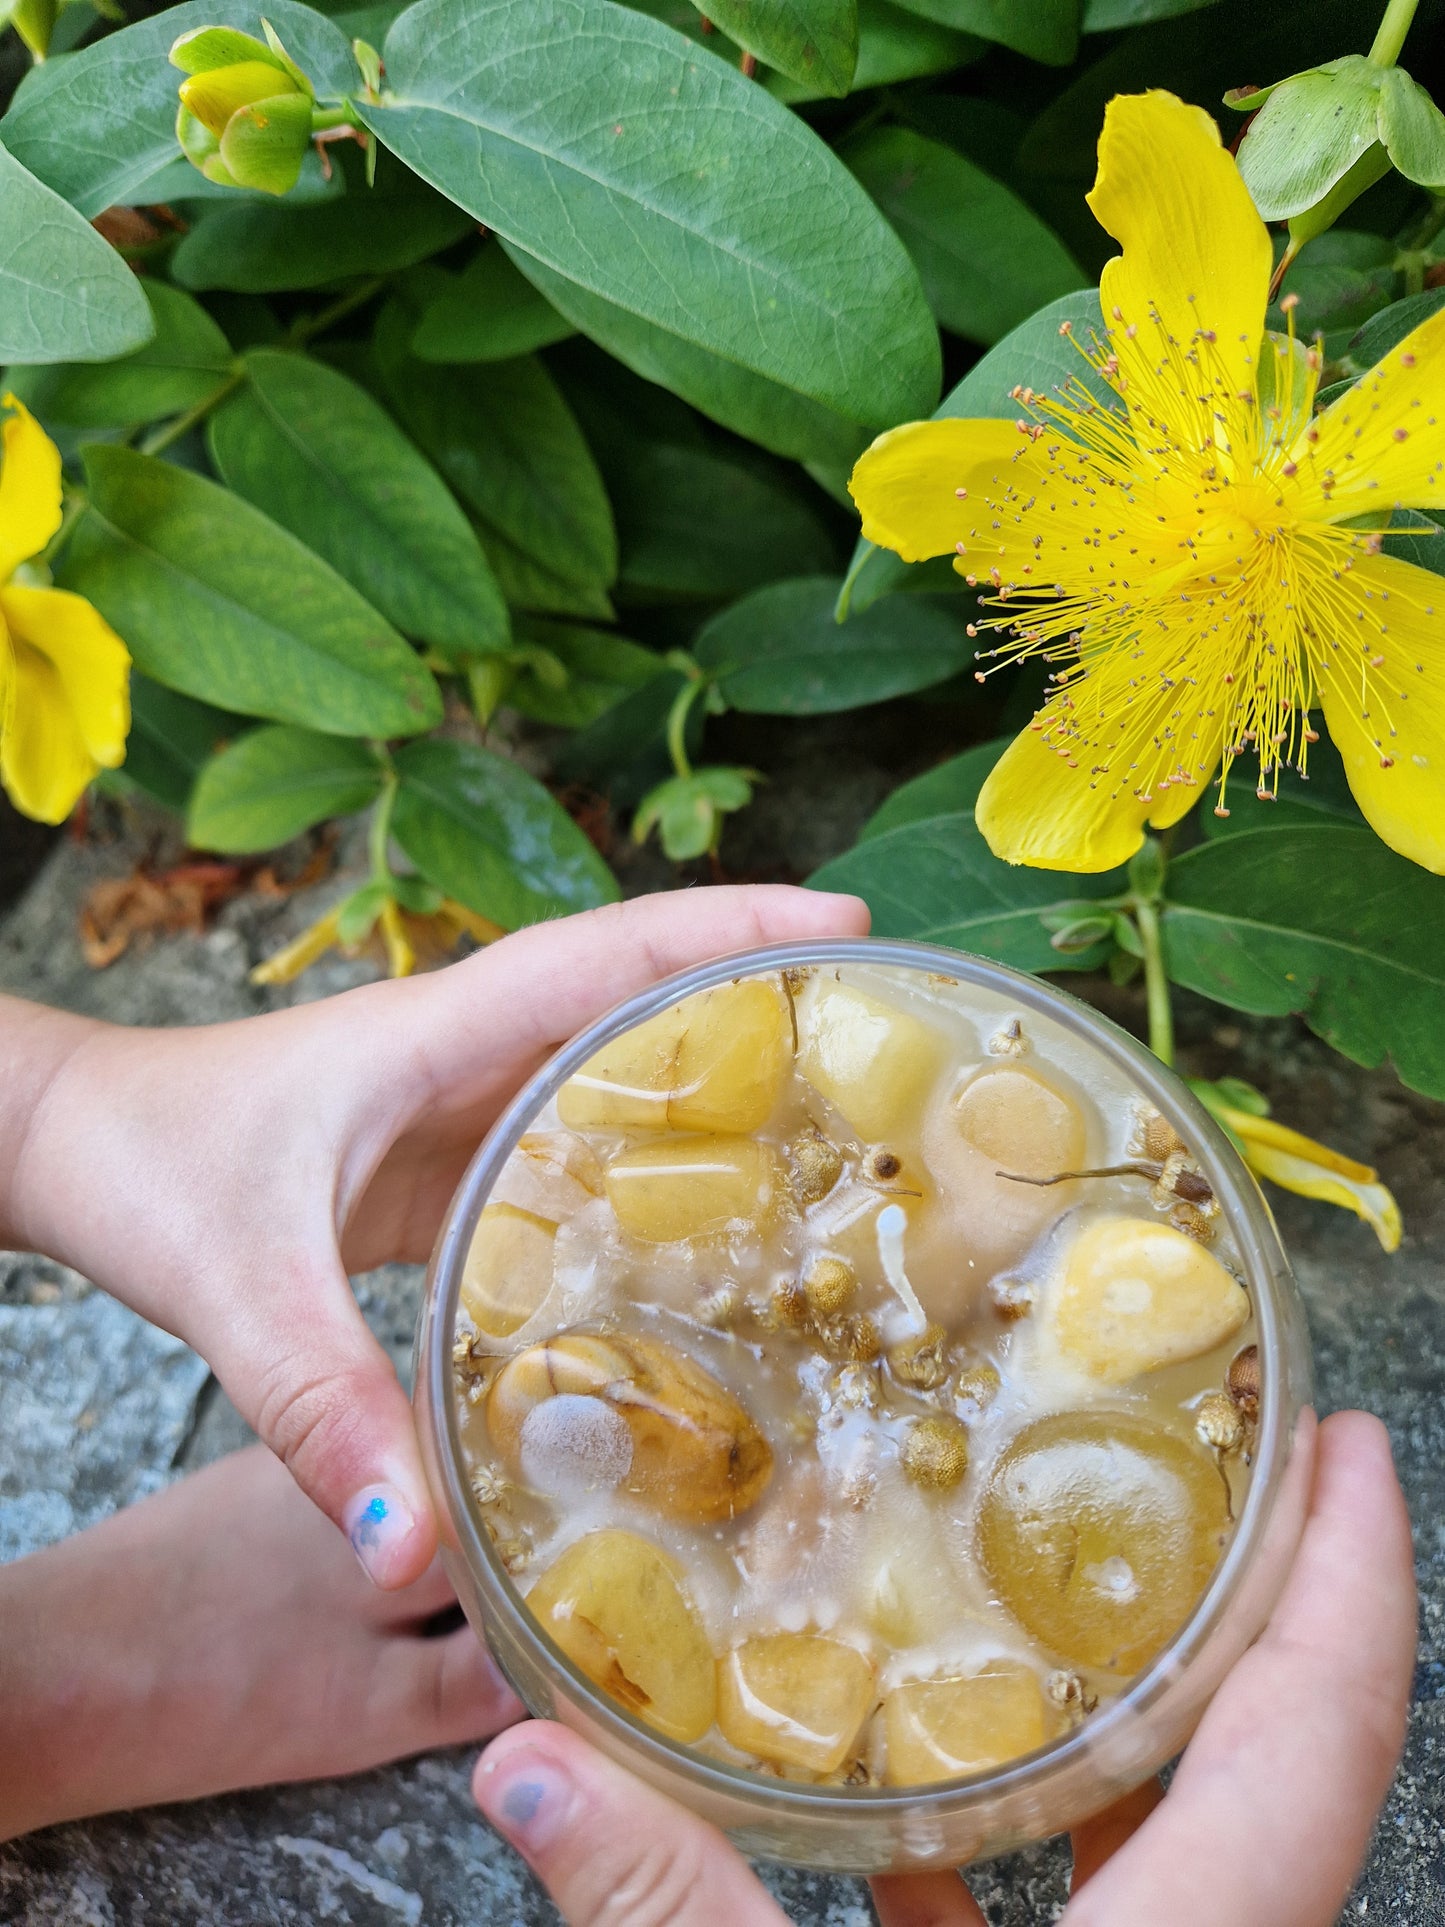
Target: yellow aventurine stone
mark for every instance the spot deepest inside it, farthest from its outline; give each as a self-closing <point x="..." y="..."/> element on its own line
<point x="937" y="1729"/>
<point x="508" y="1270"/>
<point x="614" y="1605"/>
<point x="1099" y="1531"/>
<point x="1135" y="1295"/>
<point x="797" y="1698"/>
<point x="715" y="1062"/>
<point x="695" y="1187"/>
<point x="874" y="1063"/>
<point x="1021" y="1123"/>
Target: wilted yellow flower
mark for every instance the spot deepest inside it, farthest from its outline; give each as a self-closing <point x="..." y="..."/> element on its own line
<point x="1301" y="1164"/>
<point x="1184" y="554"/>
<point x="404" y="937"/>
<point x="64" y="673"/>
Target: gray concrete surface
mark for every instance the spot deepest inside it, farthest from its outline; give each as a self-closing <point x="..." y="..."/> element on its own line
<point x="404" y="1847"/>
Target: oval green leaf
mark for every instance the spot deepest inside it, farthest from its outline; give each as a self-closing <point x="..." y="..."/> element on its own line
<point x="782" y="652"/>
<point x="812" y="41"/>
<point x="759" y="247"/>
<point x="1045" y="30"/>
<point x="172" y="737"/>
<point x="489" y="835"/>
<point x="65" y="294"/>
<point x="273" y="784"/>
<point x="488" y="312"/>
<point x="318" y="455"/>
<point x="182" y="363"/>
<point x="212" y="599"/>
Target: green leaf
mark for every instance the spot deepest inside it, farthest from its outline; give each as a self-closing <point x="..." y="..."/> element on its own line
<point x="813" y="41"/>
<point x="323" y="459"/>
<point x="776" y="418"/>
<point x="274" y="784"/>
<point x="781" y="652"/>
<point x="1413" y="129"/>
<point x="599" y="670"/>
<point x="1417" y="538"/>
<point x="694" y="200"/>
<point x="184" y="361"/>
<point x="1035" y="354"/>
<point x="1322" y="922"/>
<point x="1388" y="328"/>
<point x="261" y="247"/>
<point x="1103" y="16"/>
<point x="214" y="600"/>
<point x="96" y="125"/>
<point x="487" y="834"/>
<point x="65" y="294"/>
<point x="699" y="514"/>
<point x="936" y="880"/>
<point x="987" y="262"/>
<point x="893" y="45"/>
<point x="488" y="312"/>
<point x="1323" y="798"/>
<point x="1045" y="30"/>
<point x="180" y="181"/>
<point x="626" y="741"/>
<point x="1309" y="134"/>
<point x="950" y="790"/>
<point x="687" y="811"/>
<point x="506" y="441"/>
<point x="171" y="738"/>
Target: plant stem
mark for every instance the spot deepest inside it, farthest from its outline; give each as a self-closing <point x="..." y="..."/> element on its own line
<point x="378" y="838"/>
<point x="1156" y="983"/>
<point x="677" y="717"/>
<point x="183" y="424"/>
<point x="1393" y="28"/>
<point x="307" y="326"/>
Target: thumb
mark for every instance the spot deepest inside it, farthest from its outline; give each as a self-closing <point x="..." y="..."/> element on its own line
<point x="609" y="1850"/>
<point x="301" y="1366"/>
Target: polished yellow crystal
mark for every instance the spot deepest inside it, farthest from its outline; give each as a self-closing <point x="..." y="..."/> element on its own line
<point x="695" y="1187"/>
<point x="874" y="1063"/>
<point x="614" y="1603"/>
<point x="939" y="1729"/>
<point x="715" y="1062"/>
<point x="1134" y="1295"/>
<point x="799" y="1699"/>
<point x="509" y="1268"/>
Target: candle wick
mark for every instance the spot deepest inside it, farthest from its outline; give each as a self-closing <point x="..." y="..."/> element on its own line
<point x="892" y="1223"/>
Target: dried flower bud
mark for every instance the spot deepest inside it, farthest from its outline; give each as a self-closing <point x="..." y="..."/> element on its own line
<point x="816" y="1164"/>
<point x="1068" y="1692"/>
<point x="923" y="1361"/>
<point x="1011" y="1298"/>
<point x="935" y="1453"/>
<point x="1009" y="1040"/>
<point x="790" y="1305"/>
<point x="850" y="1338"/>
<point x="883" y="1166"/>
<point x="828" y="1285"/>
<point x="1189" y="1219"/>
<point x="976" y="1390"/>
<point x="1242" y="1381"/>
<point x="1219" y="1423"/>
<point x="1155" y="1136"/>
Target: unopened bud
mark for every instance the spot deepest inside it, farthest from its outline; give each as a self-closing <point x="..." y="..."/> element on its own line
<point x="247" y="110"/>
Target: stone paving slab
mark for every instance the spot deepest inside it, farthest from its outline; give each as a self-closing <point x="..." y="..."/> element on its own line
<point x="405" y="1846"/>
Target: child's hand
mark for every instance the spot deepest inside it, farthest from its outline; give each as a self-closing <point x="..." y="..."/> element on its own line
<point x="1264" y="1825"/>
<point x="222" y="1181"/>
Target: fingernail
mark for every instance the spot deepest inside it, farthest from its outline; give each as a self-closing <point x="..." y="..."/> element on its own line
<point x="378" y="1523"/>
<point x="525" y="1797"/>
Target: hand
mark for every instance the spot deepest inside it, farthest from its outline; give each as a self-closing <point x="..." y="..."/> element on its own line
<point x="1265" y="1824"/>
<point x="222" y="1181"/>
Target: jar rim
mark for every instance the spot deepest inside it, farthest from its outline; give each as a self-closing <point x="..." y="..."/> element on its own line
<point x="1266" y="1278"/>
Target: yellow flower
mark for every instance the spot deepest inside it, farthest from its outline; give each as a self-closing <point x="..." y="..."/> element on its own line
<point x="1301" y="1164"/>
<point x="64" y="673"/>
<point x="402" y="935"/>
<point x="1183" y="553"/>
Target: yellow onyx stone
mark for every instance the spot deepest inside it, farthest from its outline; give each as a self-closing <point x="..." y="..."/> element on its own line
<point x="695" y="1187"/>
<point x="715" y="1062"/>
<point x="874" y="1063"/>
<point x="797" y="1698"/>
<point x="1099" y="1531"/>
<point x="1133" y="1295"/>
<point x="614" y="1603"/>
<point x="686" y="1445"/>
<point x="508" y="1271"/>
<point x="939" y="1729"/>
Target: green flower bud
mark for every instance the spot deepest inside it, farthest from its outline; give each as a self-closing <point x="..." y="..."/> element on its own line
<point x="34" y="21"/>
<point x="246" y="113"/>
<point x="688" y="811"/>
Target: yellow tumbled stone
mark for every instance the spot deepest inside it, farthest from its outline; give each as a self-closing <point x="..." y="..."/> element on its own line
<point x="799" y="1699"/>
<point x="1133" y="1295"/>
<point x="938" y="1729"/>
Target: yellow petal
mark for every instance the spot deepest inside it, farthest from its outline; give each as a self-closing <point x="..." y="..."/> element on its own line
<point x="1380" y="673"/>
<point x="1314" y="1170"/>
<point x="1193" y="280"/>
<point x="215" y="95"/>
<point x="400" y="956"/>
<point x="1382" y="444"/>
<point x="91" y="663"/>
<point x="44" y="763"/>
<point x="1131" y="739"/>
<point x="298" y="955"/>
<point x="906" y="485"/>
<point x="29" y="488"/>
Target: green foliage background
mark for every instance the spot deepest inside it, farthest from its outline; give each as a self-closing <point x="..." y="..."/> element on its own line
<point x="557" y="415"/>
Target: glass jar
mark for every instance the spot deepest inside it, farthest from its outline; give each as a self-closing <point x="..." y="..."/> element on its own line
<point x="871" y="1829"/>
